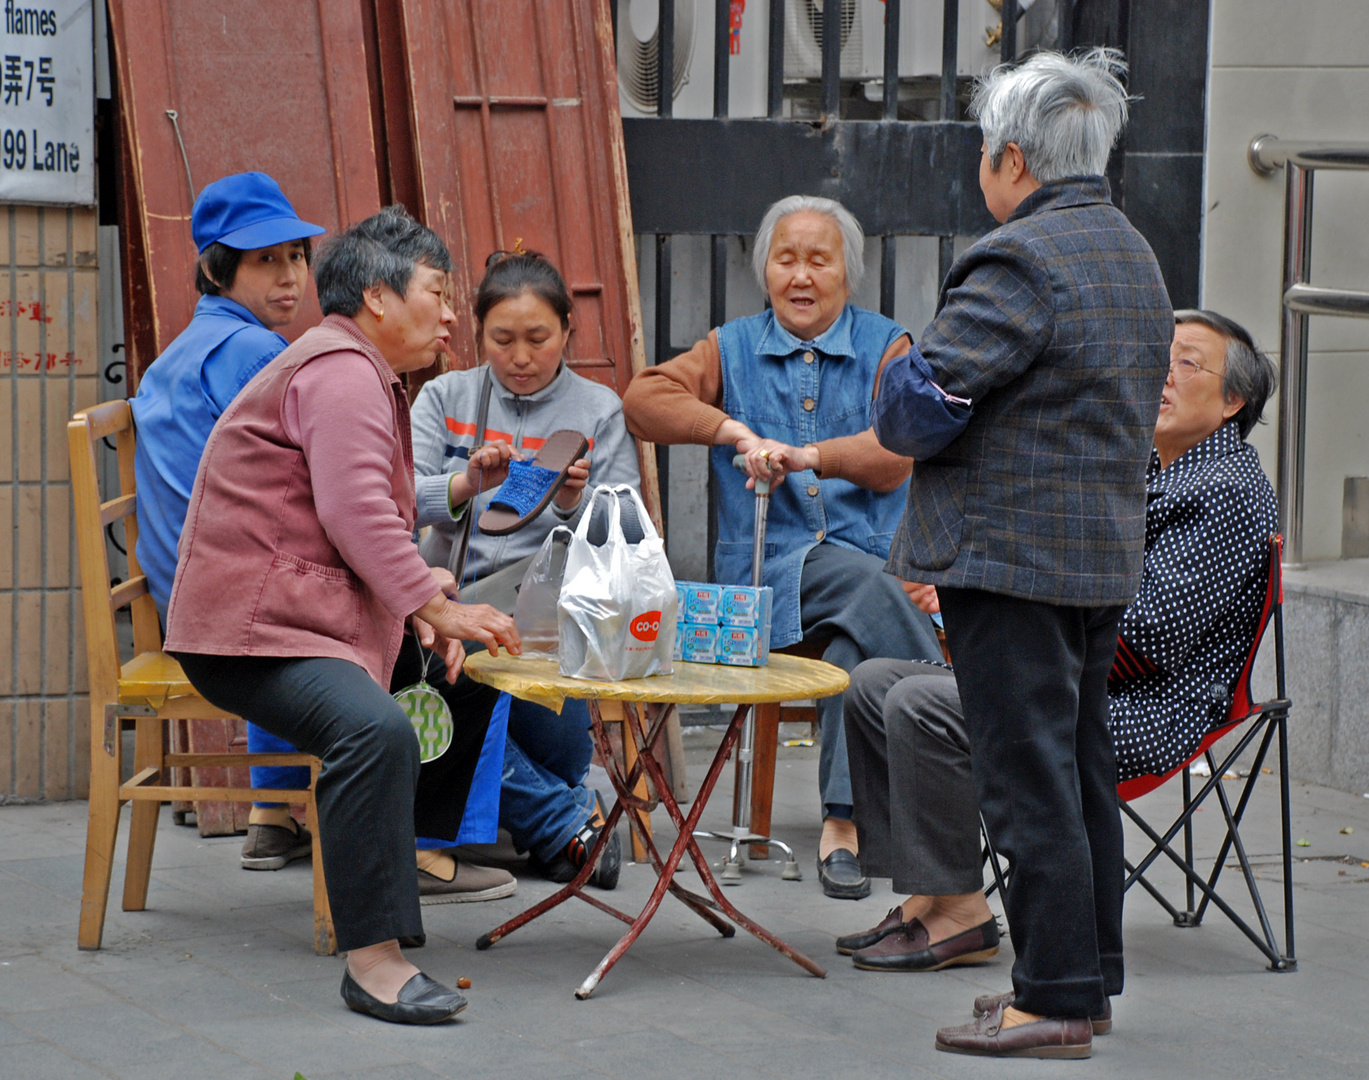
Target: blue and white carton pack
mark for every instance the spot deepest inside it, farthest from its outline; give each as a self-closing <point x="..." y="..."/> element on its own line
<point x="698" y="643"/>
<point x="742" y="605"/>
<point x="700" y="602"/>
<point x="743" y="646"/>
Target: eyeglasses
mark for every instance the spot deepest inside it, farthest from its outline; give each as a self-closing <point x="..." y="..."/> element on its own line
<point x="1184" y="369"/>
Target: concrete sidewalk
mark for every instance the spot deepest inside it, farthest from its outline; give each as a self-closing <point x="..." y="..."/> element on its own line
<point x="217" y="978"/>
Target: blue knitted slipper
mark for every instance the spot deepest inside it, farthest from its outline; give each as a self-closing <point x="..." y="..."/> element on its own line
<point x="531" y="485"/>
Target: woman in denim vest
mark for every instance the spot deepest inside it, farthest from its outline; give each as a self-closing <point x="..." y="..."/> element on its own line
<point x="791" y="388"/>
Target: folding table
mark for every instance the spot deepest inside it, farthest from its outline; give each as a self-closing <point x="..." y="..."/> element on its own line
<point x="785" y="678"/>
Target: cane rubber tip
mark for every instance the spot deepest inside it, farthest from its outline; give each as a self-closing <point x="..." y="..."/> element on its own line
<point x="483" y="942"/>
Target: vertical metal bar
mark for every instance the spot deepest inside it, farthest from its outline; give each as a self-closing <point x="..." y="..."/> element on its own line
<point x="950" y="51"/>
<point x="1008" y="45"/>
<point x="1064" y="14"/>
<point x="1188" y="839"/>
<point x="1297" y="259"/>
<point x="717" y="315"/>
<point x="722" y="51"/>
<point x="665" y="65"/>
<point x="663" y="353"/>
<point x="774" y="96"/>
<point x="892" y="11"/>
<point x="887" y="272"/>
<point x="831" y="60"/>
<point x="945" y="251"/>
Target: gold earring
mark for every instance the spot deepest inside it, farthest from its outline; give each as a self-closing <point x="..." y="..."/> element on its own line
<point x="380" y="315"/>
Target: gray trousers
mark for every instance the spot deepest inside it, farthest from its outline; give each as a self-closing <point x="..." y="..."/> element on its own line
<point x="847" y="597"/>
<point x="915" y="807"/>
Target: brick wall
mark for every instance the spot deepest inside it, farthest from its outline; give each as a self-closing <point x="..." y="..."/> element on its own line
<point x="48" y="369"/>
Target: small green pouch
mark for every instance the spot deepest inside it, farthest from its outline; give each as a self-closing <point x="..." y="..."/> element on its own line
<point x="427" y="710"/>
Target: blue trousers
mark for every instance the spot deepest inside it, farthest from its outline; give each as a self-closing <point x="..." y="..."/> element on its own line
<point x="543" y="800"/>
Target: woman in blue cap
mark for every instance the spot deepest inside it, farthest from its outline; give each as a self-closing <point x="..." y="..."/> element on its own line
<point x="252" y="274"/>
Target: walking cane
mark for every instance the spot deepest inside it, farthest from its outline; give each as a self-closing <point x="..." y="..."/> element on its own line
<point x="741" y="834"/>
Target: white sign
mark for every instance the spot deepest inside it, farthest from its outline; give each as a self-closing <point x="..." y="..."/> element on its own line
<point x="47" y="102"/>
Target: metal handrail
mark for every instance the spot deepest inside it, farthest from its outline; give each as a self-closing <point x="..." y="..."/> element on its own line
<point x="1299" y="161"/>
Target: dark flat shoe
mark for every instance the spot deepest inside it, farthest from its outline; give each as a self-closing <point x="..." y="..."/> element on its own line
<point x="841" y="876"/>
<point x="986" y="1003"/>
<point x="909" y="948"/>
<point x="851" y="942"/>
<point x="421" y="1001"/>
<point x="1048" y="1038"/>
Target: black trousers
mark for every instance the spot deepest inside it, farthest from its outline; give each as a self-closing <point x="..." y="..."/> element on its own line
<point x="1033" y="684"/>
<point x="369" y="785"/>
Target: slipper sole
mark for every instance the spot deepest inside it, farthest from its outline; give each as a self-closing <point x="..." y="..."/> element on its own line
<point x="561" y="450"/>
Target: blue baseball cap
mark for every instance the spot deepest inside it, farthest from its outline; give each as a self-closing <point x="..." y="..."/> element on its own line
<point x="246" y="211"/>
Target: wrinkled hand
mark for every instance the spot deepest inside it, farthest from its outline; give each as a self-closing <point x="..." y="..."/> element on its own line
<point x="452" y="651"/>
<point x="470" y="622"/>
<point x="924" y="596"/>
<point x="568" y="498"/>
<point x="768" y="459"/>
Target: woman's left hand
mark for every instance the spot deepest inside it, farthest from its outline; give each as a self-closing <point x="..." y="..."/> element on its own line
<point x="768" y="459"/>
<point x="577" y="476"/>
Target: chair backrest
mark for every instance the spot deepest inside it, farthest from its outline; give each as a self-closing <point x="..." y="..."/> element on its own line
<point x="1242" y="695"/>
<point x="100" y="598"/>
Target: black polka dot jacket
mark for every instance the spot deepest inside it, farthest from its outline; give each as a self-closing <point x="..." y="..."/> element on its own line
<point x="1185" y="637"/>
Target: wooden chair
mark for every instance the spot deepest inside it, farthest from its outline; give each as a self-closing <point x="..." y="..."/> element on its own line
<point x="146" y="692"/>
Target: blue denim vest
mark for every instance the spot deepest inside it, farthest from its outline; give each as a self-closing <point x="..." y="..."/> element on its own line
<point x="770" y="386"/>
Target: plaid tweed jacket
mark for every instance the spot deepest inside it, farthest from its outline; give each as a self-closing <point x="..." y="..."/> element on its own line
<point x="1057" y="326"/>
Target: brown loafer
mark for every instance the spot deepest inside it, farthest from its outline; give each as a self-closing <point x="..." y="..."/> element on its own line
<point x="986" y="1003"/>
<point x="910" y="949"/>
<point x="1048" y="1038"/>
<point x="851" y="942"/>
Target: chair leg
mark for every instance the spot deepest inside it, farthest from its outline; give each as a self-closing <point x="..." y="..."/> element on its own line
<point x="765" y="750"/>
<point x="142" y="834"/>
<point x="102" y="829"/>
<point x="325" y="940"/>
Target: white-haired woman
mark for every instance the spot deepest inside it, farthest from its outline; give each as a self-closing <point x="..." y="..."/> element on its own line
<point x="791" y="389"/>
<point x="1031" y="524"/>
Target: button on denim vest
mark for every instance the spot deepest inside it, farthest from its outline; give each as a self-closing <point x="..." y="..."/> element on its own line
<point x="771" y="387"/>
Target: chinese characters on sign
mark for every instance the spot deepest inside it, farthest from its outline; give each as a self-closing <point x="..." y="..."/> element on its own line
<point x="47" y="102"/>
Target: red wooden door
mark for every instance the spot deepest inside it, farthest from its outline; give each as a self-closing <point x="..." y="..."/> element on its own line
<point x="280" y="88"/>
<point x="516" y="136"/>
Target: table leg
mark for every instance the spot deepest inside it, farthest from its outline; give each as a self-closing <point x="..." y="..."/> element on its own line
<point x="628" y="800"/>
<point x="706" y="872"/>
<point x="685" y="842"/>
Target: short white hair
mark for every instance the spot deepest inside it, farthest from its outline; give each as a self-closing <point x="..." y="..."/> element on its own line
<point x="852" y="235"/>
<point x="1065" y="113"/>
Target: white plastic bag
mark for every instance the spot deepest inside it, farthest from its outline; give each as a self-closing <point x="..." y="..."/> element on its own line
<point x="535" y="612"/>
<point x="617" y="611"/>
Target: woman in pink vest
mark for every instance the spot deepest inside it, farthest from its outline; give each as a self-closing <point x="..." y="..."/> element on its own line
<point x="298" y="570"/>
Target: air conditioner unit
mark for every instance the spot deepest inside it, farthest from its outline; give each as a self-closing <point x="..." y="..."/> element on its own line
<point x="639" y="75"/>
<point x="862" y="38"/>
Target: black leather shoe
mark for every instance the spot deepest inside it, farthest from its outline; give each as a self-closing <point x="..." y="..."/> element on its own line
<point x="421" y="1001"/>
<point x="851" y="942"/>
<point x="841" y="876"/>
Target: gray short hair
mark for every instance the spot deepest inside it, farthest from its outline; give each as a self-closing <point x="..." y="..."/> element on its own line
<point x="1065" y="113"/>
<point x="1249" y="374"/>
<point x="852" y="235"/>
<point x="382" y="250"/>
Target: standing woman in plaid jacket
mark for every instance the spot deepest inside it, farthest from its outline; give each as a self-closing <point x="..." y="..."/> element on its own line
<point x="1031" y="521"/>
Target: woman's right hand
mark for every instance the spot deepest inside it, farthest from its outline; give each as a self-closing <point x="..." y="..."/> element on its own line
<point x="486" y="468"/>
<point x="470" y="622"/>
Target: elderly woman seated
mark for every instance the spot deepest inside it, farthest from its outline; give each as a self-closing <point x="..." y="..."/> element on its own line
<point x="298" y="570"/>
<point x="790" y="388"/>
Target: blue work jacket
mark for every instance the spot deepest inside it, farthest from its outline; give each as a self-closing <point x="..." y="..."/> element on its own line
<point x="800" y="392"/>
<point x="182" y="394"/>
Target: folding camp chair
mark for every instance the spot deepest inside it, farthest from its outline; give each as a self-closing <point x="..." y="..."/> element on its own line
<point x="1265" y="721"/>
